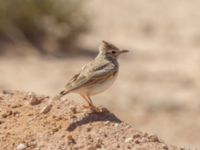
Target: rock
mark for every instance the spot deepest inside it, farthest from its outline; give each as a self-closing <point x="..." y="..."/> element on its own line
<point x="107" y="122"/>
<point x="164" y="146"/>
<point x="16" y="106"/>
<point x="56" y="129"/>
<point x="145" y="134"/>
<point x="16" y="113"/>
<point x="105" y="110"/>
<point x="8" y="113"/>
<point x="137" y="135"/>
<point x="7" y="94"/>
<point x="1" y="122"/>
<point x="143" y="140"/>
<point x="73" y="109"/>
<point x="4" y="115"/>
<point x="21" y="146"/>
<point x="127" y="140"/>
<point x="92" y="147"/>
<point x="70" y="139"/>
<point x="34" y="100"/>
<point x="46" y="109"/>
<point x="137" y="141"/>
<point x="88" y="129"/>
<point x="154" y="138"/>
<point x="116" y="125"/>
<point x="99" y="143"/>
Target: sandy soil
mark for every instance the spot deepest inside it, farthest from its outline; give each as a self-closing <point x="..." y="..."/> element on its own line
<point x="67" y="126"/>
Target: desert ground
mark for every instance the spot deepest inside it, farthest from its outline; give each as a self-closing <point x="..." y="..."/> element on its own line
<point x="26" y="125"/>
<point x="157" y="90"/>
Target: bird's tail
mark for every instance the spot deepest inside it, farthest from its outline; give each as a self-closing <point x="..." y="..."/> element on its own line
<point x="64" y="92"/>
<point x="60" y="95"/>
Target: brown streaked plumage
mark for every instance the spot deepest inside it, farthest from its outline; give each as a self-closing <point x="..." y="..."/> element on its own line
<point x="97" y="75"/>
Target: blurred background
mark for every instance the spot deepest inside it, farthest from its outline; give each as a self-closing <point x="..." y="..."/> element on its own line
<point x="43" y="43"/>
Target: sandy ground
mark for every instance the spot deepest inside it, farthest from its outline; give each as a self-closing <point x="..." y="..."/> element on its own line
<point x="158" y="86"/>
<point x="66" y="126"/>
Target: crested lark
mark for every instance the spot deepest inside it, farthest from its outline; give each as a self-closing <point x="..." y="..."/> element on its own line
<point x="96" y="76"/>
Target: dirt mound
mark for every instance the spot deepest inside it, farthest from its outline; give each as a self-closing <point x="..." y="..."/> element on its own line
<point x="66" y="126"/>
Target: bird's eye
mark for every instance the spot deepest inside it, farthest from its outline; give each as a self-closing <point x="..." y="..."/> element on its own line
<point x="113" y="52"/>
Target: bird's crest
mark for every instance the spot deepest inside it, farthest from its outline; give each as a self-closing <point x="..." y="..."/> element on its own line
<point x="106" y="46"/>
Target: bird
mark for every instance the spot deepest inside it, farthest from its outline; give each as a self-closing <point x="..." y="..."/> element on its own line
<point x="97" y="75"/>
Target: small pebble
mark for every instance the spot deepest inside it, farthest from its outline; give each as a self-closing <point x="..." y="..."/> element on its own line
<point x="88" y="129"/>
<point x="99" y="143"/>
<point x="1" y="122"/>
<point x="7" y="92"/>
<point x="145" y="134"/>
<point x="118" y="146"/>
<point x="143" y="140"/>
<point x="70" y="139"/>
<point x="46" y="109"/>
<point x="30" y="114"/>
<point x="105" y="110"/>
<point x="105" y="135"/>
<point x="107" y="122"/>
<point x="8" y="113"/>
<point x="16" y="113"/>
<point x="73" y="117"/>
<point x="4" y="115"/>
<point x="34" y="100"/>
<point x="137" y="141"/>
<point x="55" y="129"/>
<point x="164" y="146"/>
<point x="116" y="125"/>
<point x="32" y="144"/>
<point x="63" y="135"/>
<point x="127" y="140"/>
<point x="154" y="138"/>
<point x="182" y="148"/>
<point x="16" y="106"/>
<point x="73" y="109"/>
<point x="21" y="146"/>
<point x="92" y="148"/>
<point x="137" y="135"/>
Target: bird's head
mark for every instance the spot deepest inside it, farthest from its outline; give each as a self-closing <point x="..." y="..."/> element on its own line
<point x="110" y="50"/>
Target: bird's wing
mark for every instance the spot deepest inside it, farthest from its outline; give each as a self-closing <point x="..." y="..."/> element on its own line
<point x="96" y="74"/>
<point x="74" y="78"/>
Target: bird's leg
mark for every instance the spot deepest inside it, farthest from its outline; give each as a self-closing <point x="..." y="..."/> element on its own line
<point x="91" y="105"/>
<point x="88" y="101"/>
<point x="96" y="109"/>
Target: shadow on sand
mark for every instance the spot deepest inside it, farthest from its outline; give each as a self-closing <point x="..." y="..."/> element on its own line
<point x="93" y="117"/>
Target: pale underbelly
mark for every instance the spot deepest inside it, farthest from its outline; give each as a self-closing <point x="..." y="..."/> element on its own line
<point x="98" y="88"/>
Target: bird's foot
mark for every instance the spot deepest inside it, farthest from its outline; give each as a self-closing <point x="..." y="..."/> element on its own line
<point x="86" y="106"/>
<point x="96" y="109"/>
<point x="102" y="109"/>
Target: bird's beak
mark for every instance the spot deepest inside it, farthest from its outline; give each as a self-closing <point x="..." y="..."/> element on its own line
<point x="124" y="51"/>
